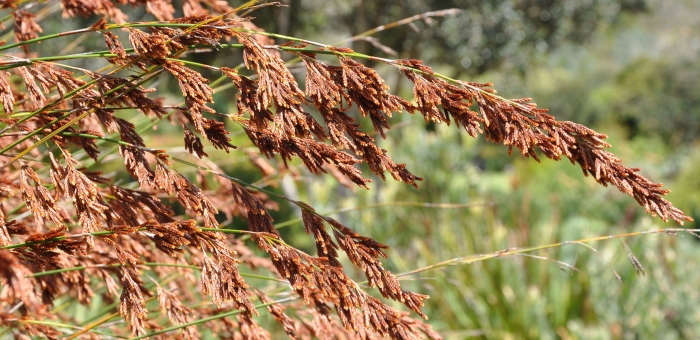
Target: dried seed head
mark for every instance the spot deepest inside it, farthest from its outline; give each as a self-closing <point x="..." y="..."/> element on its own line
<point x="176" y="312"/>
<point x="86" y="8"/>
<point x="35" y="94"/>
<point x="25" y="27"/>
<point x="132" y="305"/>
<point x="8" y="99"/>
<point x="149" y="45"/>
<point x="37" y="196"/>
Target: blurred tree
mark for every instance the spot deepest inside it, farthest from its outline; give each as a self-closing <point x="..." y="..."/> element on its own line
<point x="659" y="98"/>
<point x="485" y="35"/>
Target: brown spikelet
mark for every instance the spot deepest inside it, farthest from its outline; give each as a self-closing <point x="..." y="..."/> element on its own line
<point x="66" y="82"/>
<point x="261" y="39"/>
<point x="86" y="8"/>
<point x="149" y="45"/>
<point x="37" y="196"/>
<point x="189" y="195"/>
<point x="101" y="24"/>
<point x="107" y="119"/>
<point x="216" y="133"/>
<point x="247" y="100"/>
<point x="128" y="203"/>
<point x="209" y="34"/>
<point x="223" y="282"/>
<point x="313" y="224"/>
<point x="169" y="237"/>
<point x="365" y="252"/>
<point x="130" y="94"/>
<point x="195" y="90"/>
<point x="15" y="277"/>
<point x="314" y="154"/>
<point x="91" y="211"/>
<point x="89" y="145"/>
<point x="5" y="237"/>
<point x="193" y="144"/>
<point x="132" y="306"/>
<point x="277" y="312"/>
<point x="439" y="100"/>
<point x="325" y="84"/>
<point x="366" y="89"/>
<point x="114" y="45"/>
<point x="134" y="157"/>
<point x="25" y="27"/>
<point x="259" y="220"/>
<point x="277" y="86"/>
<point x="35" y="94"/>
<point x="8" y="99"/>
<point x="327" y="96"/>
<point x="176" y="312"/>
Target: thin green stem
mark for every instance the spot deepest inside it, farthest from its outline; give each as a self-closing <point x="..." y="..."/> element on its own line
<point x="76" y="119"/>
<point x="516" y="251"/>
<point x="34" y="113"/>
<point x="211" y="318"/>
<point x="46" y="37"/>
<point x="103" y="317"/>
<point x="55" y="239"/>
<point x="147" y="264"/>
<point x="62" y="325"/>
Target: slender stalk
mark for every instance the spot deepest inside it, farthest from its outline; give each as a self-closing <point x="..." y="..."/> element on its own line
<point x="422" y="16"/>
<point x="62" y="325"/>
<point x="211" y="318"/>
<point x="147" y="264"/>
<point x="73" y="121"/>
<point x="515" y="251"/>
<point x="55" y="239"/>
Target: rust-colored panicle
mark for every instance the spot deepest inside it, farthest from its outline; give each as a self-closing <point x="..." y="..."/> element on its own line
<point x="6" y="96"/>
<point x="369" y="92"/>
<point x="26" y="27"/>
<point x="314" y="154"/>
<point x="195" y="90"/>
<point x="92" y="212"/>
<point x="247" y="100"/>
<point x="277" y="312"/>
<point x="277" y="87"/>
<point x="132" y="306"/>
<point x="35" y="95"/>
<point x="133" y="154"/>
<point x="521" y="124"/>
<point x="86" y="8"/>
<point x="129" y="95"/>
<point x="37" y="197"/>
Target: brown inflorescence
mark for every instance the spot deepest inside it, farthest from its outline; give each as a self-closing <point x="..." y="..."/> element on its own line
<point x="157" y="231"/>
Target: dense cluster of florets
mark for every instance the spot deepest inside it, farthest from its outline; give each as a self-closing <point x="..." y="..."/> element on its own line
<point x="90" y="235"/>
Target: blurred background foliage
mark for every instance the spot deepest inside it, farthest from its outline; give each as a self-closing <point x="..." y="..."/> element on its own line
<point x="627" y="68"/>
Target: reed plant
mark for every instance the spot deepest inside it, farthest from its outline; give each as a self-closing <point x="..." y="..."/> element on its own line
<point x="155" y="245"/>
